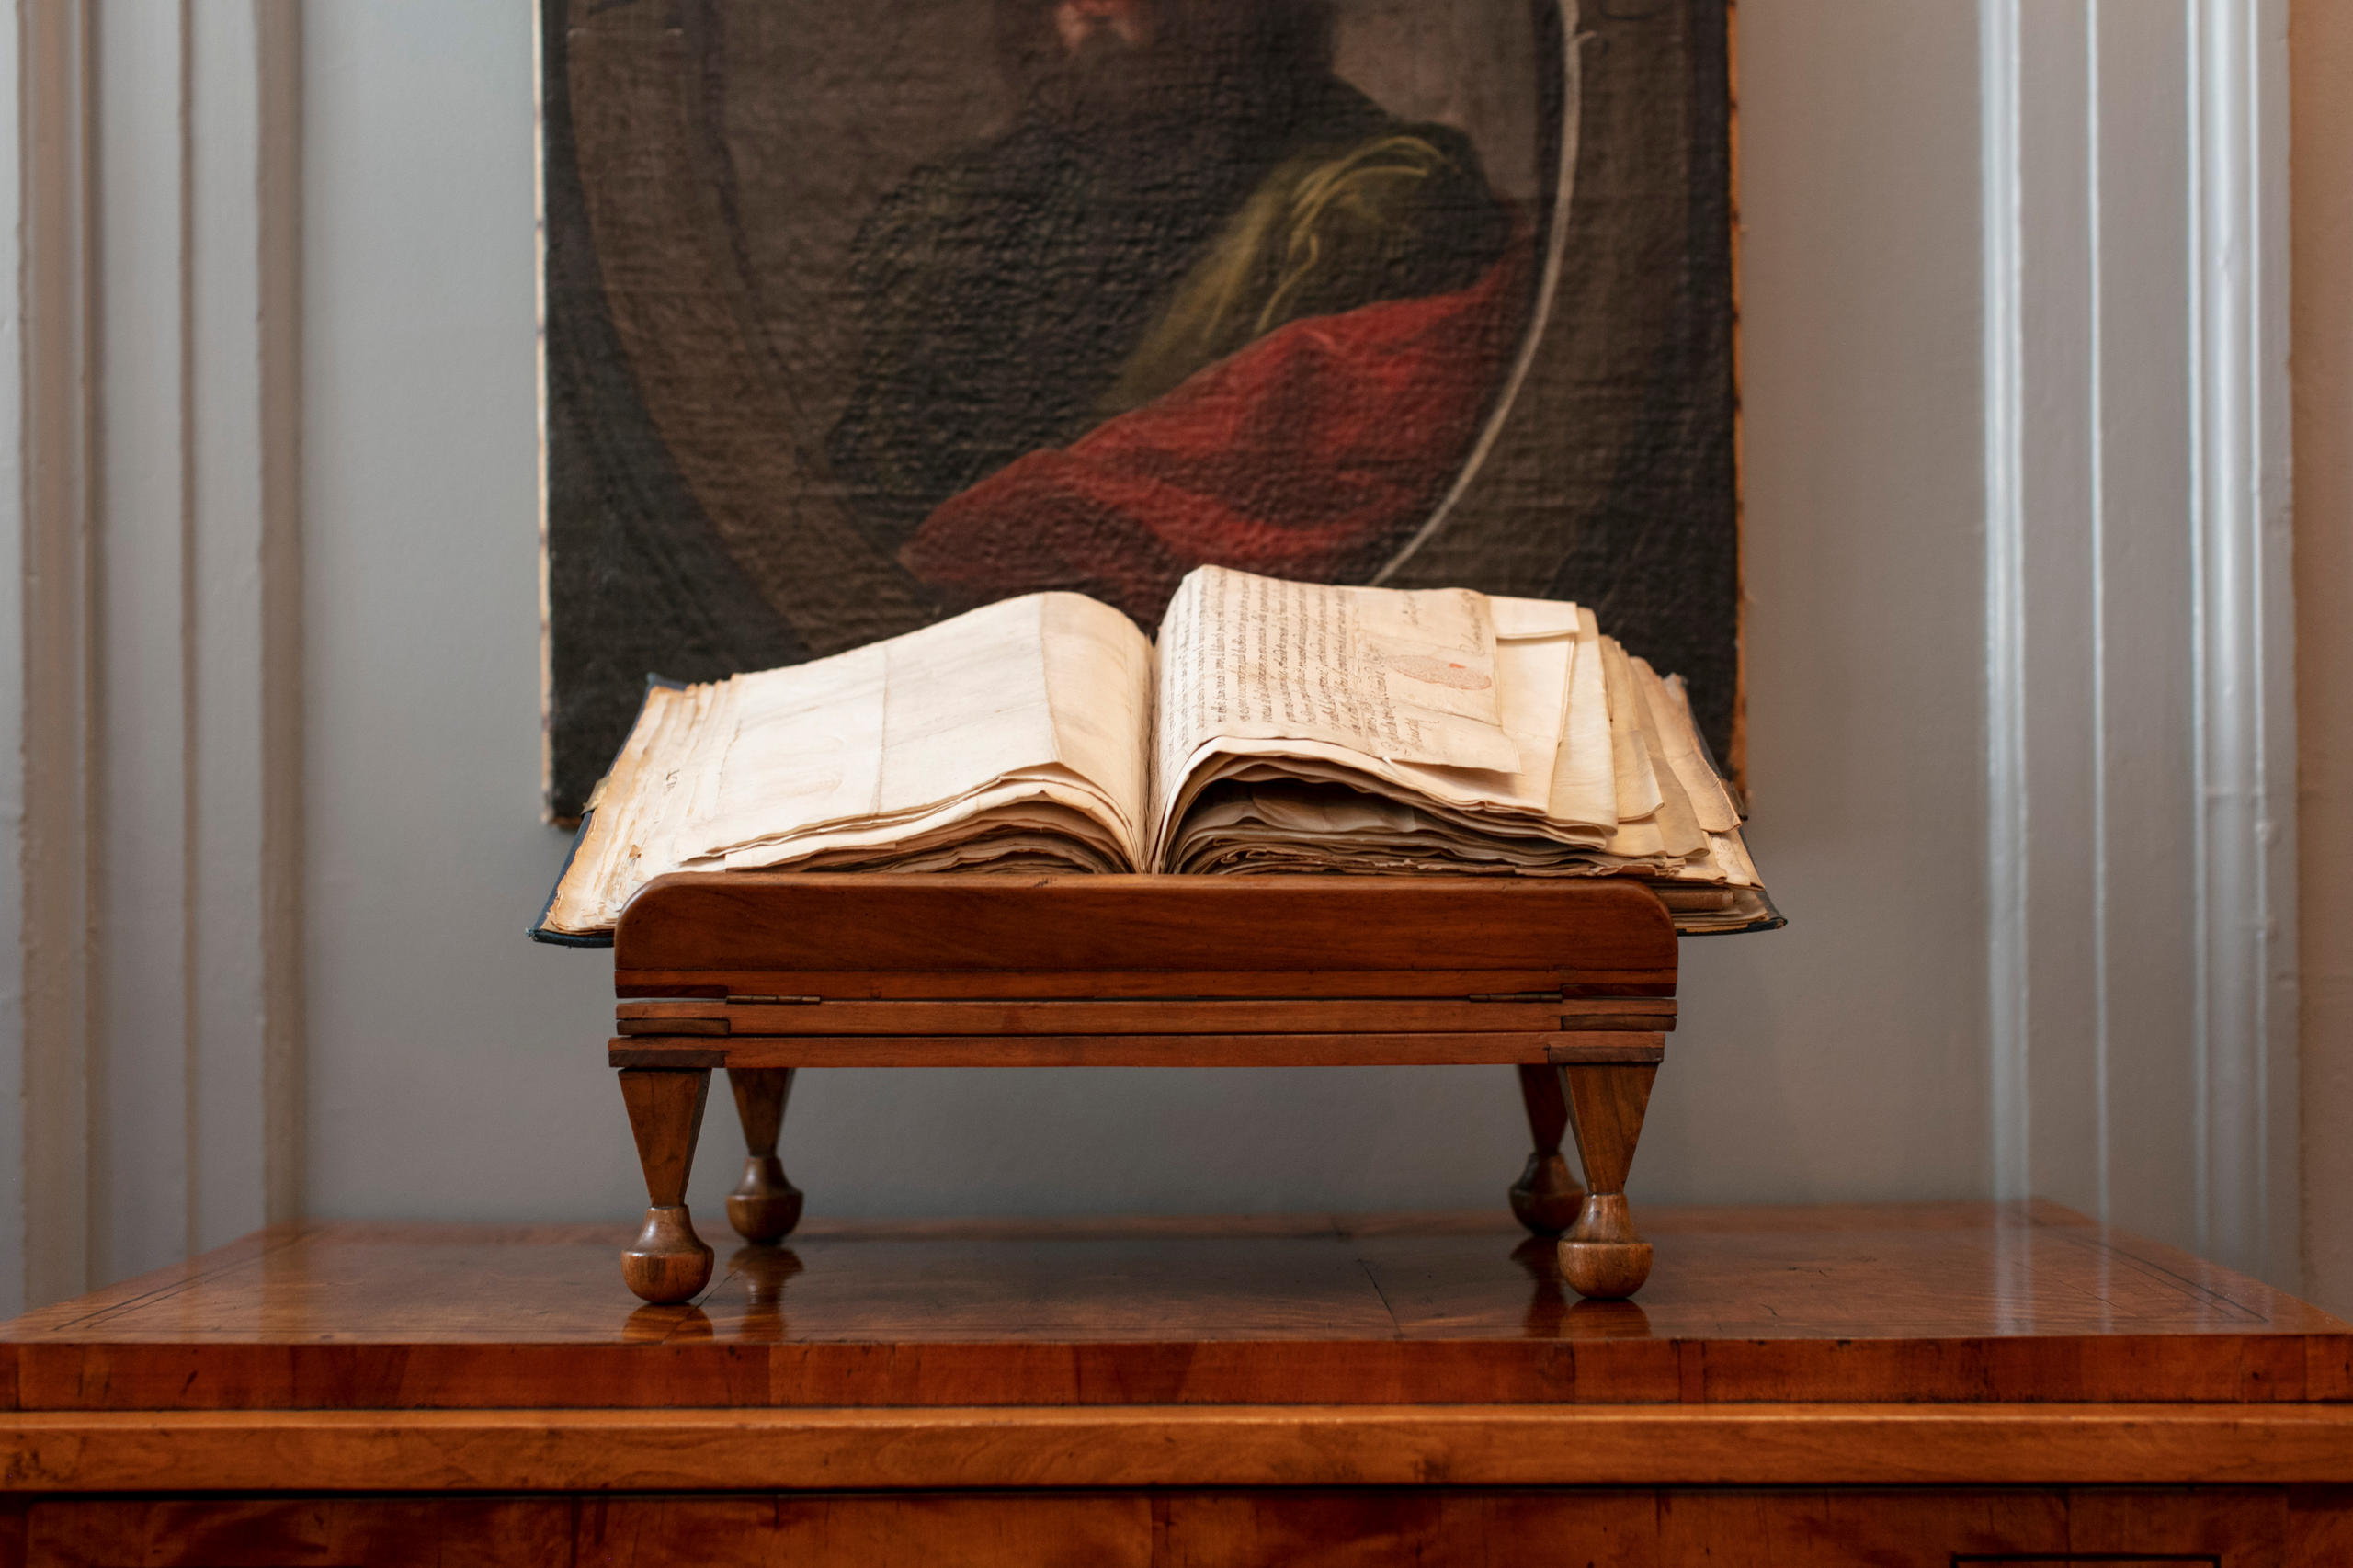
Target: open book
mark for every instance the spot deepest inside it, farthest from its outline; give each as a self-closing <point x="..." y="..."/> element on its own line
<point x="1274" y="726"/>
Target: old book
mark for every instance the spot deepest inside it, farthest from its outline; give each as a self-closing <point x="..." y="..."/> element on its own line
<point x="1273" y="726"/>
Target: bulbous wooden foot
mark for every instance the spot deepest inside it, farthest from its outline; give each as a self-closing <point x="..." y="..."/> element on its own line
<point x="1601" y="1258"/>
<point x="669" y="1262"/>
<point x="1546" y="1197"/>
<point x="765" y="1206"/>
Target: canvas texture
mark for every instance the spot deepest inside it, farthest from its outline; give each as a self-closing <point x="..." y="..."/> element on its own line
<point x="857" y="317"/>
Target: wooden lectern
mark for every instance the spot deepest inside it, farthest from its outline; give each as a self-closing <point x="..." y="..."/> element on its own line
<point x="1571" y="980"/>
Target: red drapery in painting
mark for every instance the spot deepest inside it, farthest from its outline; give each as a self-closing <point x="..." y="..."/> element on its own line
<point x="1308" y="454"/>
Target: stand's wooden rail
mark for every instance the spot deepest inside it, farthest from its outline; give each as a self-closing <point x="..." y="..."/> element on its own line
<point x="763" y="974"/>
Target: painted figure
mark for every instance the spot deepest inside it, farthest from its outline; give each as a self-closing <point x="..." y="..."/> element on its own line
<point x="1204" y="301"/>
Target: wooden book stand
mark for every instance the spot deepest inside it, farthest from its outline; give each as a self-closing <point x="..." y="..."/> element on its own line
<point x="1573" y="981"/>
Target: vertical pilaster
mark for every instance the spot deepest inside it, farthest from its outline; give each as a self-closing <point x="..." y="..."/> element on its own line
<point x="152" y="1057"/>
<point x="2139" y="701"/>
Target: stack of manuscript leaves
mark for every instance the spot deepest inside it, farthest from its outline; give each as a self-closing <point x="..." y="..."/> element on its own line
<point x="1277" y="726"/>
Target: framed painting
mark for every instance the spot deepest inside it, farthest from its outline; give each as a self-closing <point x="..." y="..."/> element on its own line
<point x="860" y="315"/>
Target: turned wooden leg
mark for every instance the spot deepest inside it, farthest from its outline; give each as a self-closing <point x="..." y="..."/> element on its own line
<point x="765" y="1206"/>
<point x="1546" y="1197"/>
<point x="1601" y="1256"/>
<point x="669" y="1262"/>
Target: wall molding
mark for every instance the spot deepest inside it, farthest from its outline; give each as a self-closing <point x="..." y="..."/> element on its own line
<point x="278" y="63"/>
<point x="2011" y="1107"/>
<point x="153" y="535"/>
<point x="2246" y="618"/>
<point x="2140" y="747"/>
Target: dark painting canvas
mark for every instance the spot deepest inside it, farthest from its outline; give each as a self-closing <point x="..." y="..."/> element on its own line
<point x="860" y="315"/>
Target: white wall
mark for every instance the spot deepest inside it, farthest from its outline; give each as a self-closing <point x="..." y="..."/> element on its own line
<point x="1843" y="1057"/>
<point x="452" y="1069"/>
<point x="1984" y="823"/>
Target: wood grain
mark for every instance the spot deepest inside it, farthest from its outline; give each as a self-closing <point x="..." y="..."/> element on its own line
<point x="1294" y="1528"/>
<point x="1133" y="1446"/>
<point x="1546" y="1199"/>
<point x="1268" y="1389"/>
<point x="2178" y="1522"/>
<point x="1106" y="984"/>
<point x="666" y="1115"/>
<point x="1138" y="1050"/>
<point x="2320" y="1526"/>
<point x="1602" y="1257"/>
<point x="667" y="1262"/>
<point x="1271" y="1016"/>
<point x="765" y="1206"/>
<point x="1964" y="1303"/>
<point x="802" y="923"/>
<point x="303" y="1532"/>
<point x="1114" y="1532"/>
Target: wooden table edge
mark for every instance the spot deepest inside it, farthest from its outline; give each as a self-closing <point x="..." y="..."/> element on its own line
<point x="1498" y="1049"/>
<point x="1137" y="1446"/>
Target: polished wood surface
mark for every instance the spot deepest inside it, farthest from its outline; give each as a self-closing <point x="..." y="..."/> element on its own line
<point x="1465" y="1528"/>
<point x="950" y="1449"/>
<point x="1935" y="1302"/>
<point x="786" y="924"/>
<point x="1507" y="1013"/>
<point x="1133" y="1050"/>
<point x="1858" y="1388"/>
<point x="1112" y="985"/>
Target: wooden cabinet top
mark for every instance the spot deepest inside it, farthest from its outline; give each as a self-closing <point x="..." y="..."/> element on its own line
<point x="1963" y="1303"/>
